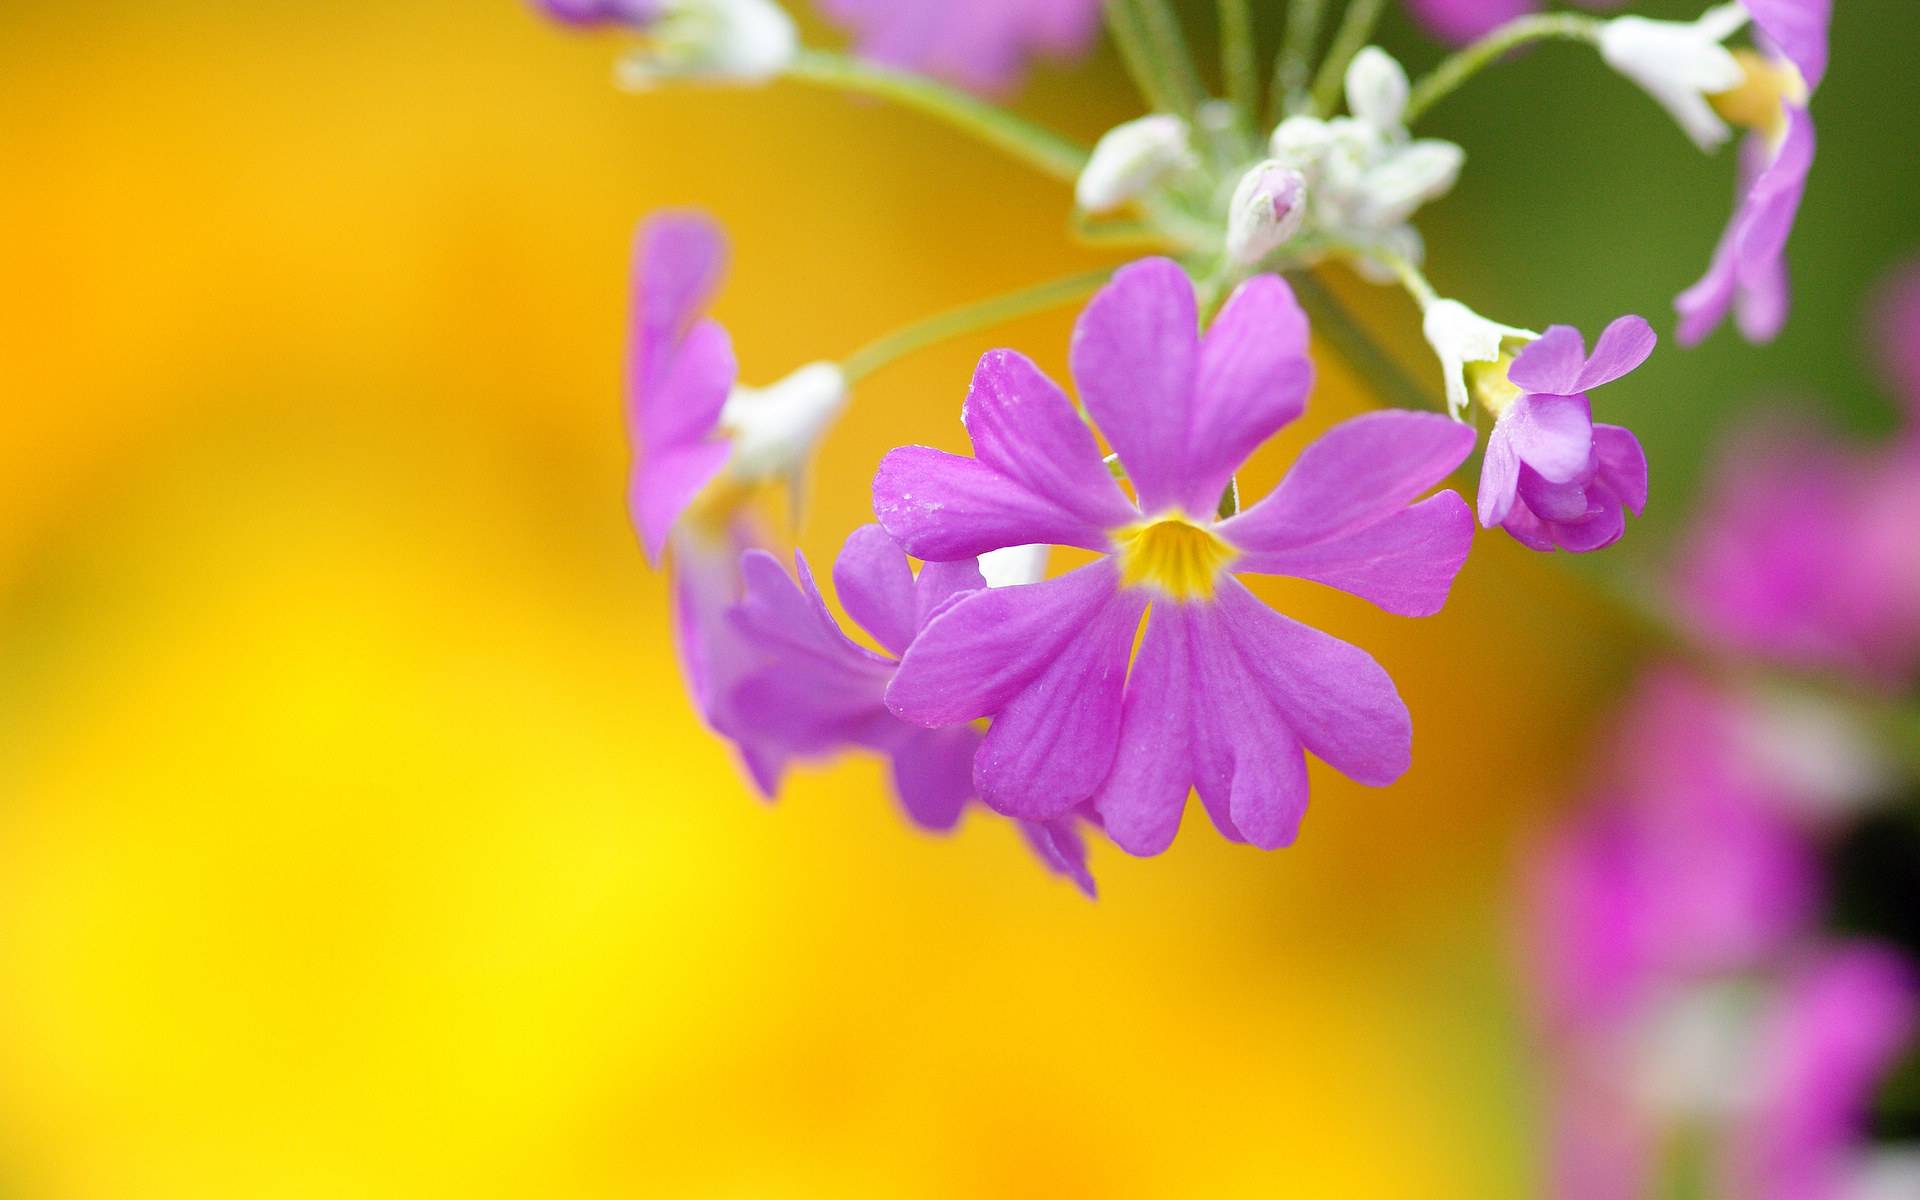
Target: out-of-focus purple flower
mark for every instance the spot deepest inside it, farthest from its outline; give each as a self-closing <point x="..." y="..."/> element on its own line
<point x="1748" y="272"/>
<point x="680" y="371"/>
<point x="815" y="692"/>
<point x="1551" y="476"/>
<point x="1897" y="340"/>
<point x="980" y="44"/>
<point x="1225" y="695"/>
<point x="1462" y="21"/>
<point x="586" y="13"/>
<point x="1805" y="554"/>
<point x="1696" y="868"/>
<point x="1840" y="1024"/>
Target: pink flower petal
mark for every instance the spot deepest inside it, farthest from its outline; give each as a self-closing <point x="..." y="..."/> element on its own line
<point x="1254" y="379"/>
<point x="1552" y="434"/>
<point x="1623" y="464"/>
<point x="1248" y="765"/>
<point x="933" y="774"/>
<point x="1135" y="357"/>
<point x="1551" y="363"/>
<point x="1142" y="799"/>
<point x="876" y="587"/>
<point x="1499" y="478"/>
<point x="1405" y="564"/>
<point x="1623" y="346"/>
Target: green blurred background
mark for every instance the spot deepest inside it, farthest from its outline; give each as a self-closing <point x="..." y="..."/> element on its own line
<point x="357" y="838"/>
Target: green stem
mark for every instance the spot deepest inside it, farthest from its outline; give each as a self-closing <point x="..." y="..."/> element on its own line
<point x="1469" y="61"/>
<point x="1131" y="39"/>
<point x="1293" y="68"/>
<point x="1167" y="47"/>
<point x="1356" y="27"/>
<point x="1331" y="320"/>
<point x="1038" y="147"/>
<point x="1238" y="60"/>
<point x="970" y="318"/>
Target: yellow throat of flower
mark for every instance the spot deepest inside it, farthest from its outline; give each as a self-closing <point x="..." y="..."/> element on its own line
<point x="1172" y="555"/>
<point x="1760" y="102"/>
<point x="1489" y="386"/>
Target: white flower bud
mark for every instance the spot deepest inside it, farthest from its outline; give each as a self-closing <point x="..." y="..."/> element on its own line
<point x="1680" y="64"/>
<point x="1014" y="565"/>
<point x="1301" y="142"/>
<point x="720" y="41"/>
<point x="775" y="428"/>
<point x="1377" y="90"/>
<point x="1460" y="336"/>
<point x="1266" y="210"/>
<point x="1131" y="159"/>
<point x="1410" y="176"/>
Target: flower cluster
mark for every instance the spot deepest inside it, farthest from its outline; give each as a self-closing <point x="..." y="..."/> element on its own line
<point x="1712" y="1026"/>
<point x="1102" y="698"/>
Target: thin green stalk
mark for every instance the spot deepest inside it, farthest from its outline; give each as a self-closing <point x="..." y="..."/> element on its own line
<point x="1356" y="27"/>
<point x="1032" y="144"/>
<point x="1238" y="63"/>
<point x="1167" y="46"/>
<point x="1331" y="320"/>
<point x="1130" y="36"/>
<point x="1294" y="67"/>
<point x="970" y="318"/>
<point x="1469" y="61"/>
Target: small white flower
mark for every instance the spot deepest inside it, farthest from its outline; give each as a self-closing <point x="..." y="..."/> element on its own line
<point x="1413" y="175"/>
<point x="720" y="41"/>
<point x="1460" y="336"/>
<point x="1014" y="565"/>
<point x="774" y="428"/>
<point x="1266" y="210"/>
<point x="1377" y="90"/>
<point x="1132" y="159"/>
<point x="1680" y="64"/>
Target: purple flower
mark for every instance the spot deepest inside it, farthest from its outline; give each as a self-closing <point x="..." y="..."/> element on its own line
<point x="1462" y="21"/>
<point x="1748" y="272"/>
<point x="1840" y="1024"/>
<point x="815" y="692"/>
<point x="587" y="13"/>
<point x="1551" y="476"/>
<point x="680" y="371"/>
<point x="979" y="44"/>
<point x="1225" y="694"/>
<point x="1897" y="337"/>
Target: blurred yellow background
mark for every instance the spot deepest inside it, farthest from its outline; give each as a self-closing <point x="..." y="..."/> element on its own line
<point x="357" y="838"/>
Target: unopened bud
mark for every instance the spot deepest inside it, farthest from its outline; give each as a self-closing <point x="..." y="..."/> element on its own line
<point x="722" y="41"/>
<point x="774" y="428"/>
<point x="1131" y="160"/>
<point x="1680" y="64"/>
<point x="1266" y="210"/>
<point x="1377" y="89"/>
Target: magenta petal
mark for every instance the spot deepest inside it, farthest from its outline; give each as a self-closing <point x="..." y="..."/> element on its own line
<point x="1059" y="846"/>
<point x="1254" y="378"/>
<point x="1357" y="473"/>
<point x="1703" y="306"/>
<point x="1799" y="28"/>
<point x="940" y="582"/>
<point x="1142" y="800"/>
<point x="1023" y="426"/>
<point x="1551" y="434"/>
<point x="1550" y="363"/>
<point x="682" y="401"/>
<point x="1053" y="744"/>
<point x="663" y="485"/>
<point x="1771" y="206"/>
<point x="1405" y="564"/>
<point x="1602" y="527"/>
<point x="1337" y="700"/>
<point x="933" y="774"/>
<point x="1623" y="464"/>
<point x="1499" y="478"/>
<point x="1135" y="354"/>
<point x="679" y="259"/>
<point x="981" y="651"/>
<point x="1530" y="531"/>
<point x="1248" y="766"/>
<point x="1555" y="502"/>
<point x="1623" y="346"/>
<point x="942" y="507"/>
<point x="876" y="586"/>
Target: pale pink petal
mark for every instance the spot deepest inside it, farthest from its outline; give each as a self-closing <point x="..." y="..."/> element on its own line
<point x="1135" y="357"/>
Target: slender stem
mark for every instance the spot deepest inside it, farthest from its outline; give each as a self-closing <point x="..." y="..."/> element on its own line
<point x="1167" y="46"/>
<point x="1356" y="26"/>
<point x="1350" y="339"/>
<point x="970" y="318"/>
<point x="1238" y="59"/>
<point x="1032" y="144"/>
<point x="1464" y="64"/>
<point x="1293" y="68"/>
<point x="1411" y="277"/>
<point x="1131" y="38"/>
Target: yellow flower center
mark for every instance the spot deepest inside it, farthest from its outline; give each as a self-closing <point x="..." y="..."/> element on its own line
<point x="1489" y="386"/>
<point x="1760" y="101"/>
<point x="1172" y="555"/>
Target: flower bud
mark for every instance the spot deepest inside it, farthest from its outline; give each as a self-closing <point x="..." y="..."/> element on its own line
<point x="1377" y="89"/>
<point x="774" y="428"/>
<point x="1413" y="175"/>
<point x="1460" y="336"/>
<point x="1680" y="64"/>
<point x="1266" y="210"/>
<point x="1132" y="159"/>
<point x="722" y="41"/>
